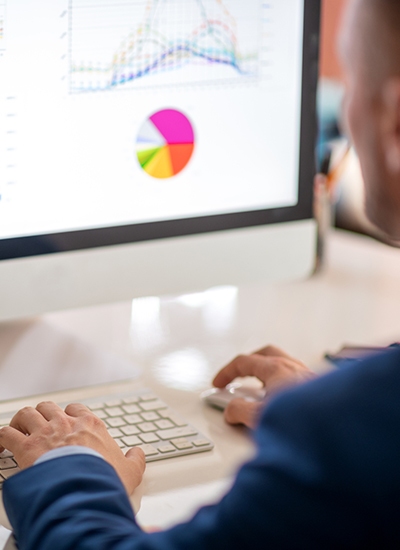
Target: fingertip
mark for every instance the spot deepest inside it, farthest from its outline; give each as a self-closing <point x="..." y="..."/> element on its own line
<point x="217" y="383"/>
<point x="77" y="409"/>
<point x="221" y="380"/>
<point x="136" y="453"/>
<point x="10" y="437"/>
<point x="137" y="460"/>
<point x="6" y="430"/>
<point x="44" y="403"/>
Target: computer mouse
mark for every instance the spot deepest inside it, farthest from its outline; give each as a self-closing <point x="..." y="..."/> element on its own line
<point x="220" y="398"/>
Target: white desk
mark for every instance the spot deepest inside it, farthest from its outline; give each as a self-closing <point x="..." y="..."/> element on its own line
<point x="180" y="343"/>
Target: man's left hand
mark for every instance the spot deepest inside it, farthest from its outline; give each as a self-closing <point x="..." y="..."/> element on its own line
<point x="33" y="432"/>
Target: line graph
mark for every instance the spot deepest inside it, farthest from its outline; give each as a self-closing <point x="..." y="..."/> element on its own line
<point x="133" y="44"/>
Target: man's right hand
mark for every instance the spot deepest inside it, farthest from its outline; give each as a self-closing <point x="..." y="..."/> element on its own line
<point x="273" y="367"/>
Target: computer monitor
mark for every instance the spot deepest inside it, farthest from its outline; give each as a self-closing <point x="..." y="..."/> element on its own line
<point x="153" y="147"/>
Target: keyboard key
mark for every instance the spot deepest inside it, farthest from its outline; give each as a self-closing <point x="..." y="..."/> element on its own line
<point x="131" y="441"/>
<point x="177" y="420"/>
<point x="149" y="438"/>
<point x="132" y="418"/>
<point x="95" y="406"/>
<point x="148" y="397"/>
<point x="164" y="424"/>
<point x="119" y="443"/>
<point x="129" y="400"/>
<point x="114" y="403"/>
<point x="131" y="409"/>
<point x="166" y="449"/>
<point x="8" y="473"/>
<point x="182" y="444"/>
<point x="176" y="432"/>
<point x="130" y="430"/>
<point x="147" y="427"/>
<point x="6" y="463"/>
<point x="116" y="422"/>
<point x="148" y="450"/>
<point x="152" y="405"/>
<point x="150" y="416"/>
<point x="6" y="454"/>
<point x="115" y="432"/>
<point x="200" y="442"/>
<point x="114" y="411"/>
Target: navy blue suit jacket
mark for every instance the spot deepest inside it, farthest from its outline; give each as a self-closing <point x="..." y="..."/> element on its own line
<point x="326" y="475"/>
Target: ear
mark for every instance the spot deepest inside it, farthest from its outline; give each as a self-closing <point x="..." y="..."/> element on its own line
<point x="391" y="125"/>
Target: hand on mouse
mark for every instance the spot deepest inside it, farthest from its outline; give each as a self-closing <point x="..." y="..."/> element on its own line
<point x="33" y="432"/>
<point x="276" y="370"/>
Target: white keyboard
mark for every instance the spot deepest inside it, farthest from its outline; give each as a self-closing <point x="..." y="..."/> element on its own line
<point x="138" y="419"/>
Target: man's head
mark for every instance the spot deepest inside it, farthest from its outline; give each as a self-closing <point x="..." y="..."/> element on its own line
<point x="370" y="52"/>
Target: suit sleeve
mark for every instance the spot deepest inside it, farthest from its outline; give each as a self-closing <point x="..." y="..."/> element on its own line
<point x="315" y="482"/>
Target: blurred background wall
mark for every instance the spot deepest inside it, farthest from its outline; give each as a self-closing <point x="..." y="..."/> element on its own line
<point x="331" y="14"/>
<point x="331" y="82"/>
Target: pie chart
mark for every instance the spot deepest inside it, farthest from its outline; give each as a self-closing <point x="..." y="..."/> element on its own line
<point x="165" y="143"/>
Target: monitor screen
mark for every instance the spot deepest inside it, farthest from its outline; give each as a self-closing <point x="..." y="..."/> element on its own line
<point x="150" y="147"/>
<point x="144" y="119"/>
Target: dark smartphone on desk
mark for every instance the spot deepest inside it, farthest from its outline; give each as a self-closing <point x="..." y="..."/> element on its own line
<point x="356" y="353"/>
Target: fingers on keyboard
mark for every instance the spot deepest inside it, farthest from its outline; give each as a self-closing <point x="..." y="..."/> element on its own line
<point x="141" y="420"/>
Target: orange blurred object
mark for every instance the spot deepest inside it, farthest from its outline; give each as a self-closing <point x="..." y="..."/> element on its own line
<point x="332" y="11"/>
<point x="337" y="171"/>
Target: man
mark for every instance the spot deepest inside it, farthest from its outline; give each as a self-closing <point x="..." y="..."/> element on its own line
<point x="326" y="473"/>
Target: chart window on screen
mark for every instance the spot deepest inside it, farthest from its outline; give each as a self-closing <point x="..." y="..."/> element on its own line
<point x="147" y="120"/>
